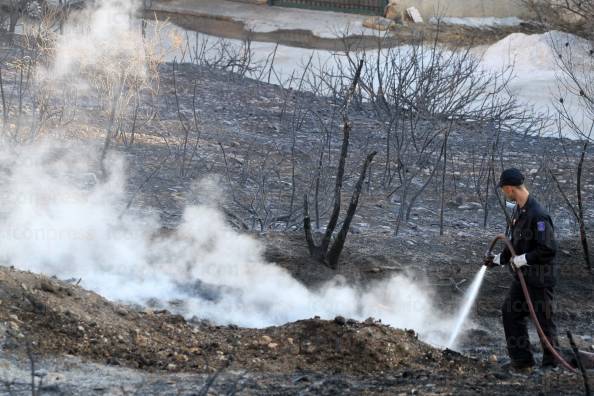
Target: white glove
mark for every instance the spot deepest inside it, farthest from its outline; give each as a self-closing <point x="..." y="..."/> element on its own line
<point x="519" y="261"/>
<point x="497" y="259"/>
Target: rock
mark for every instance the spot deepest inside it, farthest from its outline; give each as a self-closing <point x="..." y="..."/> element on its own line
<point x="355" y="230"/>
<point x="272" y="345"/>
<point x="308" y="348"/>
<point x="340" y="320"/>
<point x="38" y="306"/>
<point x="171" y="366"/>
<point x="469" y="206"/>
<point x="48" y="286"/>
<point x="14" y="318"/>
<point x="181" y="358"/>
<point x="379" y="23"/>
<point x="290" y="340"/>
<point x="265" y="340"/>
<point x="414" y="15"/>
<point x="121" y="311"/>
<point x="393" y="12"/>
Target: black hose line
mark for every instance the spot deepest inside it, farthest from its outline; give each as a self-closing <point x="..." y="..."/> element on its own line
<point x="543" y="338"/>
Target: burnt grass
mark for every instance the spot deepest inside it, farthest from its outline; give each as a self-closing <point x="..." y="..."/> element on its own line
<point x="246" y="137"/>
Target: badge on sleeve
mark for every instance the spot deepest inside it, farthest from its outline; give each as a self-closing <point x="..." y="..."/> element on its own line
<point x="540" y="226"/>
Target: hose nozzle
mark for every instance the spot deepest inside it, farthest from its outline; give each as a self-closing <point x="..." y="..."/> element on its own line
<point x="489" y="260"/>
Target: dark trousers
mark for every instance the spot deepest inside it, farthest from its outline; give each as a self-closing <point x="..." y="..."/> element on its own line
<point x="515" y="316"/>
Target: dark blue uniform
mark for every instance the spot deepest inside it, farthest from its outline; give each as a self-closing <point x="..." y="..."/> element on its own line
<point x="532" y="234"/>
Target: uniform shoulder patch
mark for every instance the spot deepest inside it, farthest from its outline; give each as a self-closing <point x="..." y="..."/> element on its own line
<point x="540" y="226"/>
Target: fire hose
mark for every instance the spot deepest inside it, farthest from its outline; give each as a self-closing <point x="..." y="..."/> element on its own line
<point x="543" y="338"/>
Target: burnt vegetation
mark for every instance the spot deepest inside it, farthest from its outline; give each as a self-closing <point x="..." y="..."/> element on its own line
<point x="440" y="129"/>
<point x="413" y="137"/>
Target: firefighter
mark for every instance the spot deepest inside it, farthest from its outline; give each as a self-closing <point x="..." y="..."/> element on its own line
<point x="532" y="235"/>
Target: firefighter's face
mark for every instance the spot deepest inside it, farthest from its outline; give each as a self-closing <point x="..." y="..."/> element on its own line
<point x="509" y="192"/>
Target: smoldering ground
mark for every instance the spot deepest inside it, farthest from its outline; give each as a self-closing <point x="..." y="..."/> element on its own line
<point x="59" y="218"/>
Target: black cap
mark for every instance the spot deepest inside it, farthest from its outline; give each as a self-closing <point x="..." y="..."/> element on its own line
<point x="511" y="177"/>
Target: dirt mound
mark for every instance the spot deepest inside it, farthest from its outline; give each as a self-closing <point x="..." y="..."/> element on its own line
<point x="57" y="317"/>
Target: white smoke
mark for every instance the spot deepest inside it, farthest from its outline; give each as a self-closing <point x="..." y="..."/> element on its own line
<point x="58" y="218"/>
<point x="103" y="37"/>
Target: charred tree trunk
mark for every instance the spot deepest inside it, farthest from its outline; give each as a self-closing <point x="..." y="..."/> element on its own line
<point x="314" y="250"/>
<point x="583" y="234"/>
<point x="443" y="178"/>
<point x="337" y="187"/>
<point x="336" y="249"/>
<point x="324" y="253"/>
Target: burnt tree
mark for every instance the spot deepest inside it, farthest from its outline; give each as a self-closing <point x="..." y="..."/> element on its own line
<point x="327" y="252"/>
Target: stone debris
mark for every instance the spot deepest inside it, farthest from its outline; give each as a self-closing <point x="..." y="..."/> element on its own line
<point x="394" y="12"/>
<point x="414" y="15"/>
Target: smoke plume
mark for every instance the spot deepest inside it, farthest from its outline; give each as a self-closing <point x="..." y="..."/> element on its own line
<point x="59" y="218"/>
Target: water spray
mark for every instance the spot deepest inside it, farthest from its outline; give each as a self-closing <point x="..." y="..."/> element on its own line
<point x="469" y="298"/>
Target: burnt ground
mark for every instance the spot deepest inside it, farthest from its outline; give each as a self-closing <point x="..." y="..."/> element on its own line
<point x="79" y="337"/>
<point x="56" y="318"/>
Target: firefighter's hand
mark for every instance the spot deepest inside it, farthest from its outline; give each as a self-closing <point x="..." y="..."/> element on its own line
<point x="491" y="260"/>
<point x="519" y="261"/>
